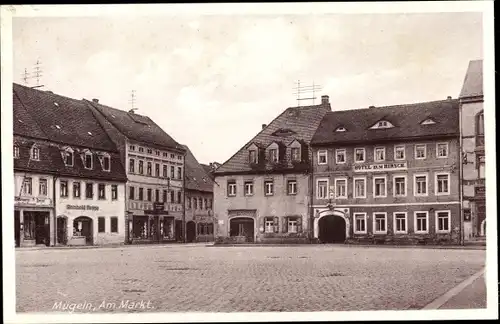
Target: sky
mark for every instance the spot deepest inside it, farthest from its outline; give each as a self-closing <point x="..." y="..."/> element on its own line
<point x="212" y="81"/>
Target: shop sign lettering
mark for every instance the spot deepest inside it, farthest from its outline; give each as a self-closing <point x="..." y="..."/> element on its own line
<point x="82" y="207"/>
<point x="381" y="167"/>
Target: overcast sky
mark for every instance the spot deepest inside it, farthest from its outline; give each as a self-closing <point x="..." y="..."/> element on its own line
<point x="211" y="81"/>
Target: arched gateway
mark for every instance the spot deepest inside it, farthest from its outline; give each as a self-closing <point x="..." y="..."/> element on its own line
<point x="332" y="225"/>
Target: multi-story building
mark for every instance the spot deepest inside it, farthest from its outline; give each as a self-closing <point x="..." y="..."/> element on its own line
<point x="199" y="186"/>
<point x="388" y="174"/>
<point x="263" y="192"/>
<point x="473" y="161"/>
<point x="155" y="170"/>
<point x="72" y="185"/>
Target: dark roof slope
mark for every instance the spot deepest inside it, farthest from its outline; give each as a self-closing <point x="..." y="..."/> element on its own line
<point x="196" y="176"/>
<point x="58" y="118"/>
<point x="473" y="82"/>
<point x="23" y="123"/>
<point x="137" y="127"/>
<point x="405" y="118"/>
<point x="299" y="123"/>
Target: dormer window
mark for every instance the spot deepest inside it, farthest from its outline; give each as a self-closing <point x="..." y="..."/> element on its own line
<point x="295" y="154"/>
<point x="16" y="152"/>
<point x="35" y="153"/>
<point x="67" y="155"/>
<point x="341" y="129"/>
<point x="105" y="162"/>
<point x="382" y="124"/>
<point x="87" y="159"/>
<point x="252" y="156"/>
<point x="428" y="121"/>
<point x="273" y="155"/>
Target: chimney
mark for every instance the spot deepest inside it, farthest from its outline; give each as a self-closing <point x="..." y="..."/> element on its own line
<point x="371" y="107"/>
<point x="325" y="100"/>
<point x="449" y="98"/>
<point x="264" y="126"/>
<point x="95" y="100"/>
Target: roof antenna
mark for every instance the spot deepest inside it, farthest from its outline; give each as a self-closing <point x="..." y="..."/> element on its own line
<point x="132" y="102"/>
<point x="38" y="74"/>
<point x="306" y="89"/>
<point x="25" y="76"/>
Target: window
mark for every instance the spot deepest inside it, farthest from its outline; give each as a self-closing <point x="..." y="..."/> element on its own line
<point x="195" y="203"/>
<point x="131" y="193"/>
<point x="131" y="166"/>
<point x="292" y="225"/>
<point x="399" y="186"/>
<point x="442" y="184"/>
<point x="114" y="224"/>
<point x="322" y="192"/>
<point x="382" y="124"/>
<point x="359" y="155"/>
<point x="188" y="203"/>
<point x="295" y="153"/>
<point x="379" y="154"/>
<point x="150" y="151"/>
<point x="101" y="190"/>
<point x="172" y="172"/>
<point x="231" y="188"/>
<point x="165" y="198"/>
<point x="63" y="186"/>
<point x="165" y="171"/>
<point x="35" y="153"/>
<point x="292" y="187"/>
<point x="179" y="157"/>
<point x="341" y="129"/>
<point x="340" y="188"/>
<point x="42" y="187"/>
<point x="157" y="153"/>
<point x="88" y="160"/>
<point x="27" y="186"/>
<point x="420" y="185"/>
<point x="179" y="173"/>
<point x="172" y="156"/>
<point x="141" y="167"/>
<point x="141" y="194"/>
<point x="200" y="203"/>
<point x="16" y="151"/>
<point x="157" y="170"/>
<point x="141" y="149"/>
<point x="101" y="224"/>
<point x="269" y="225"/>
<point x="210" y="203"/>
<point x="205" y="203"/>
<point x="76" y="190"/>
<point x="268" y="187"/>
<point x="68" y="158"/>
<point x="157" y="195"/>
<point x="380" y="223"/>
<point x="131" y="147"/>
<point x="420" y="151"/>
<point x="480" y="123"/>
<point x="399" y="152"/>
<point x="149" y="169"/>
<point x="481" y="167"/>
<point x="428" y="121"/>
<point x="105" y="163"/>
<point x="273" y="155"/>
<point x="443" y="221"/>
<point x="421" y="222"/>
<point x="252" y="156"/>
<point x="359" y="187"/>
<point x="179" y="197"/>
<point x="89" y="190"/>
<point x="340" y="156"/>
<point x="442" y="150"/>
<point x="360" y="223"/>
<point x="322" y="157"/>
<point x="379" y="187"/>
<point x="248" y="188"/>
<point x="149" y="194"/>
<point x="172" y="196"/>
<point x="400" y="223"/>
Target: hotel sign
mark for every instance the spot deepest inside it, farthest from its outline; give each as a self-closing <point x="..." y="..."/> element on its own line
<point x="32" y="201"/>
<point x="82" y="207"/>
<point x="381" y="167"/>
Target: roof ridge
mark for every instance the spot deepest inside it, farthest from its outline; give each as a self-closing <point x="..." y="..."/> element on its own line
<point x="86" y="103"/>
<point x="32" y="117"/>
<point x="392" y="106"/>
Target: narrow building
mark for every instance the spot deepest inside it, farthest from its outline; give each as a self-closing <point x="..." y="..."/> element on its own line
<point x="263" y="192"/>
<point x="388" y="175"/>
<point x="473" y="155"/>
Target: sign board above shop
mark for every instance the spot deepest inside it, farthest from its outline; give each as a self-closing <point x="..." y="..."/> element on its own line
<point x="381" y="167"/>
<point x="32" y="201"/>
<point x="82" y="207"/>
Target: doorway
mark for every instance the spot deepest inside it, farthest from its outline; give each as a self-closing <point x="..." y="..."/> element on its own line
<point x="190" y="231"/>
<point x="332" y="229"/>
<point x="82" y="226"/>
<point x="242" y="226"/>
<point x="62" y="230"/>
<point x="178" y="231"/>
<point x="42" y="228"/>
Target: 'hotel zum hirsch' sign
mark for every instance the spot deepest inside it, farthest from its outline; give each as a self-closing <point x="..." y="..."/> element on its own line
<point x="395" y="166"/>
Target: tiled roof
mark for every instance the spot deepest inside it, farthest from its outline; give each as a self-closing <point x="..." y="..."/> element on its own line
<point x="196" y="176"/>
<point x="61" y="119"/>
<point x="473" y="82"/>
<point x="300" y="123"/>
<point x="137" y="127"/>
<point x="405" y="118"/>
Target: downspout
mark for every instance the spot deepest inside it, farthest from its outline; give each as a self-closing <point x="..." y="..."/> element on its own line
<point x="54" y="178"/>
<point x="311" y="194"/>
<point x="460" y="180"/>
<point x="184" y="230"/>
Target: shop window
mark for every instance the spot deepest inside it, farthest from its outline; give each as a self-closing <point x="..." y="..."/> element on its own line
<point x="140" y="227"/>
<point x="114" y="224"/>
<point x="101" y="224"/>
<point x="29" y="226"/>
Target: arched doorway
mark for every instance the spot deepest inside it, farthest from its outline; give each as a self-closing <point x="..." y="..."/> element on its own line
<point x="190" y="231"/>
<point x="332" y="229"/>
<point x="83" y="227"/>
<point x="242" y="226"/>
<point x="62" y="229"/>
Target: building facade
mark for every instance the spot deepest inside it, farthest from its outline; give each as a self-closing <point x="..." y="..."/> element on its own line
<point x="473" y="154"/>
<point x="155" y="170"/>
<point x="388" y="175"/>
<point x="263" y="193"/>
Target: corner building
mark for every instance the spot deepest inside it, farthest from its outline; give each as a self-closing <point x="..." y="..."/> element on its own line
<point x="388" y="175"/>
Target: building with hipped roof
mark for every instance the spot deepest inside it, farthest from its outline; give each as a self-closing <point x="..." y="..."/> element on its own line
<point x="473" y="153"/>
<point x="388" y="175"/>
<point x="155" y="169"/>
<point x="69" y="180"/>
<point x="263" y="192"/>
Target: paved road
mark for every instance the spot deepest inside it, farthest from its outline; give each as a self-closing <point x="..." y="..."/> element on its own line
<point x="227" y="279"/>
<point x="472" y="297"/>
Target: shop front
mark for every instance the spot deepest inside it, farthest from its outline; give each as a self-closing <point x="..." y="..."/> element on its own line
<point x="33" y="224"/>
<point x="153" y="225"/>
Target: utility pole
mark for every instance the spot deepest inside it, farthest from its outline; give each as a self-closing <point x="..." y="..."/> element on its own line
<point x="304" y="89"/>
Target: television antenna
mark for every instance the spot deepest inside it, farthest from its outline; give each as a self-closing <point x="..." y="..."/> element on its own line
<point x="133" y="98"/>
<point x="25" y="76"/>
<point x="38" y="74"/>
<point x="301" y="89"/>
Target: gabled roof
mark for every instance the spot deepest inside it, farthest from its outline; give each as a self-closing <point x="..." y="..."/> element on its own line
<point x="406" y="120"/>
<point x="137" y="127"/>
<point x="302" y="121"/>
<point x="473" y="82"/>
<point x="197" y="178"/>
<point x="57" y="118"/>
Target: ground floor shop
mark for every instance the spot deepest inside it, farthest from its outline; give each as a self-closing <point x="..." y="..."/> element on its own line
<point x="155" y="228"/>
<point x="474" y="217"/>
<point x="33" y="226"/>
<point x="200" y="228"/>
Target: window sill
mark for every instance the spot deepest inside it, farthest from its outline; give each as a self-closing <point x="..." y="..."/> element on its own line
<point x="421" y="233"/>
<point x="400" y="233"/>
<point x="356" y="232"/>
<point x="380" y="233"/>
<point x="443" y="232"/>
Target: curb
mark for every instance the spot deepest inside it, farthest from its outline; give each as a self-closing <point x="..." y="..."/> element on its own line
<point x="88" y="247"/>
<point x="436" y="247"/>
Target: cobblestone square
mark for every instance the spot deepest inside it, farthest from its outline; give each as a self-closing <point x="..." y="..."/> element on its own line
<point x="237" y="279"/>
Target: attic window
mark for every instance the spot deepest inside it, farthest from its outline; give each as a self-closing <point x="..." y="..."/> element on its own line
<point x="105" y="161"/>
<point x="284" y="132"/>
<point x="113" y="116"/>
<point x="20" y="120"/>
<point x="382" y="124"/>
<point x="88" y="160"/>
<point x="58" y="127"/>
<point x="252" y="156"/>
<point x="428" y="121"/>
<point x="67" y="155"/>
<point x="56" y="104"/>
<point x="89" y="133"/>
<point x="16" y="151"/>
<point x="35" y="153"/>
<point x="341" y="129"/>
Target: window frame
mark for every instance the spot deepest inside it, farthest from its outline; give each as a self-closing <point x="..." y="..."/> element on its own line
<point x="231" y="184"/>
<point x="79" y="185"/>
<point x="266" y="182"/>
<point x="344" y="179"/>
<point x="289" y="183"/>
<point x="34" y="149"/>
<point x="99" y="229"/>
<point x="375" y="177"/>
<point x="415" y="151"/>
<point x="337" y="151"/>
<point x="355" y="227"/>
<point x="103" y="164"/>
<point x="111" y="219"/>
<point x="61" y="195"/>
<point x="364" y="155"/>
<point x="354" y="192"/>
<point x="436" y="184"/>
<point x="271" y="221"/>
<point x="436" y="216"/>
<point x="327" y="191"/>
<point x="415" y="192"/>
<point x="92" y="191"/>
<point x="375" y="154"/>
<point x="394" y="215"/>
<point x="294" y="158"/>
<point x="396" y="176"/>
<point x="320" y="154"/>
<point x="248" y="184"/>
<point x="131" y="165"/>
<point x="40" y="182"/>
<point x="250" y="160"/>
<point x="23" y="184"/>
<point x="16" y="151"/>
<point x="415" y="228"/>
<point x="375" y="222"/>
<point x="396" y="147"/>
<point x="447" y="150"/>
<point x="289" y="221"/>
<point x="88" y="154"/>
<point x="99" y="186"/>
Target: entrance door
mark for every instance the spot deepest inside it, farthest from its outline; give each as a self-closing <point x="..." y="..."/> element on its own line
<point x="332" y="229"/>
<point x="242" y="226"/>
<point x="83" y="227"/>
<point x="62" y="229"/>
<point x="17" y="228"/>
<point x="42" y="228"/>
<point x="190" y="231"/>
<point x="178" y="231"/>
